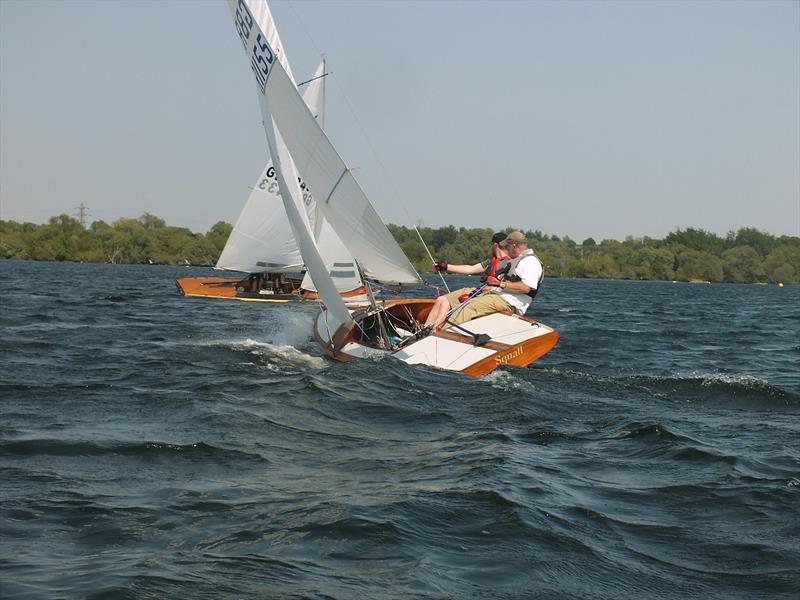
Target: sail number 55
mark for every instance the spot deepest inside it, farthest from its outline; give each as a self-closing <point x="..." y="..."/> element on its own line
<point x="261" y="55"/>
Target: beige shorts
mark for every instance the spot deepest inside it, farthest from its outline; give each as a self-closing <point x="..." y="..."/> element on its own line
<point x="479" y="307"/>
<point x="453" y="296"/>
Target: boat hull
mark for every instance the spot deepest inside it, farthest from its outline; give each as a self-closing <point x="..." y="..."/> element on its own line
<point x="476" y="348"/>
<point x="227" y="288"/>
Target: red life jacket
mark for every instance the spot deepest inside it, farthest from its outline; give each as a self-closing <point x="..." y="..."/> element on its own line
<point x="490" y="271"/>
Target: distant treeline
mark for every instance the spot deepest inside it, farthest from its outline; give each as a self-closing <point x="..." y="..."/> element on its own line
<point x="147" y="239"/>
<point x="744" y="256"/>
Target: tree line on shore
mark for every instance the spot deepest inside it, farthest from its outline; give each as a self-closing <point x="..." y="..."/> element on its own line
<point x="744" y="256"/>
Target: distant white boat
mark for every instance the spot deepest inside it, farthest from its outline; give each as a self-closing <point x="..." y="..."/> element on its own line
<point x="262" y="245"/>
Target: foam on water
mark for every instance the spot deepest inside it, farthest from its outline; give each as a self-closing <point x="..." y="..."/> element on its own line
<point x="280" y="353"/>
<point x="290" y="328"/>
<point x="747" y="381"/>
<point x="507" y="380"/>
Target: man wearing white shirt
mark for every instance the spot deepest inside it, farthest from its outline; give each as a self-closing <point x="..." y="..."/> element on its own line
<point x="522" y="281"/>
<point x="512" y="290"/>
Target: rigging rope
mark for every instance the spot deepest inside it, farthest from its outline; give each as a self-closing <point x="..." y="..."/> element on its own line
<point x="431" y="257"/>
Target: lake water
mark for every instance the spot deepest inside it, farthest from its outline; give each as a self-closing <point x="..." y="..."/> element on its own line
<point x="156" y="446"/>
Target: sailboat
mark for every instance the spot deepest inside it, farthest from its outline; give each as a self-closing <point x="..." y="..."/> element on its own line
<point x="262" y="245"/>
<point x="297" y="143"/>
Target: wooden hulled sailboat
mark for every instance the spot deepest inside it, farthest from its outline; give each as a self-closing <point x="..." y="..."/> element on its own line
<point x="296" y="141"/>
<point x="262" y="247"/>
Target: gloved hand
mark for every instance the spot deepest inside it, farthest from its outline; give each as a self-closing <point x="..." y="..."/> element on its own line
<point x="492" y="281"/>
<point x="440" y="266"/>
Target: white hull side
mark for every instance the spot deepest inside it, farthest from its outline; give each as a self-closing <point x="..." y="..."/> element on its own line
<point x="507" y="333"/>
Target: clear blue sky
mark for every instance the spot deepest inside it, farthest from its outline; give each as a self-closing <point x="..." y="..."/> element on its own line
<point x="601" y="119"/>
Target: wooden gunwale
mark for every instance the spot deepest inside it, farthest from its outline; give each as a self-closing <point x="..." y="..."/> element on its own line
<point x="446" y="334"/>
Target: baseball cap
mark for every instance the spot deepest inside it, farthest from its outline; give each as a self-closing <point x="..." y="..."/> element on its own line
<point x="515" y="237"/>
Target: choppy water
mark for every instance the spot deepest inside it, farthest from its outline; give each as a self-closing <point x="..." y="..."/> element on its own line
<point x="155" y="446"/>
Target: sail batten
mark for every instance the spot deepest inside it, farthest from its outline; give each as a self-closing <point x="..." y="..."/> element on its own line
<point x="335" y="185"/>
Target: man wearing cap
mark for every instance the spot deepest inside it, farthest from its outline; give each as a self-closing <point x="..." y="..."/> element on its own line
<point x="510" y="290"/>
<point x="444" y="304"/>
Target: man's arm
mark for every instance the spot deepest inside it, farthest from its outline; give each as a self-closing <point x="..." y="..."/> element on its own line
<point x="512" y="287"/>
<point x="466" y="269"/>
<point x="516" y="287"/>
<point x="442" y="266"/>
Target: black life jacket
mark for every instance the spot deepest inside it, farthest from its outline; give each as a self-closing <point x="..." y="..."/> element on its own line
<point x="507" y="271"/>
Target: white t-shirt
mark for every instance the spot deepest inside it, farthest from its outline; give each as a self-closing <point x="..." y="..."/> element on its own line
<point x="529" y="270"/>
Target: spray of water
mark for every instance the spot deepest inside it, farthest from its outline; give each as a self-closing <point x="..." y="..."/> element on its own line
<point x="279" y="342"/>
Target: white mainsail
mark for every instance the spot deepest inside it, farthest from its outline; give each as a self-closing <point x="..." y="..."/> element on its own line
<point x="261" y="239"/>
<point x="340" y="199"/>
